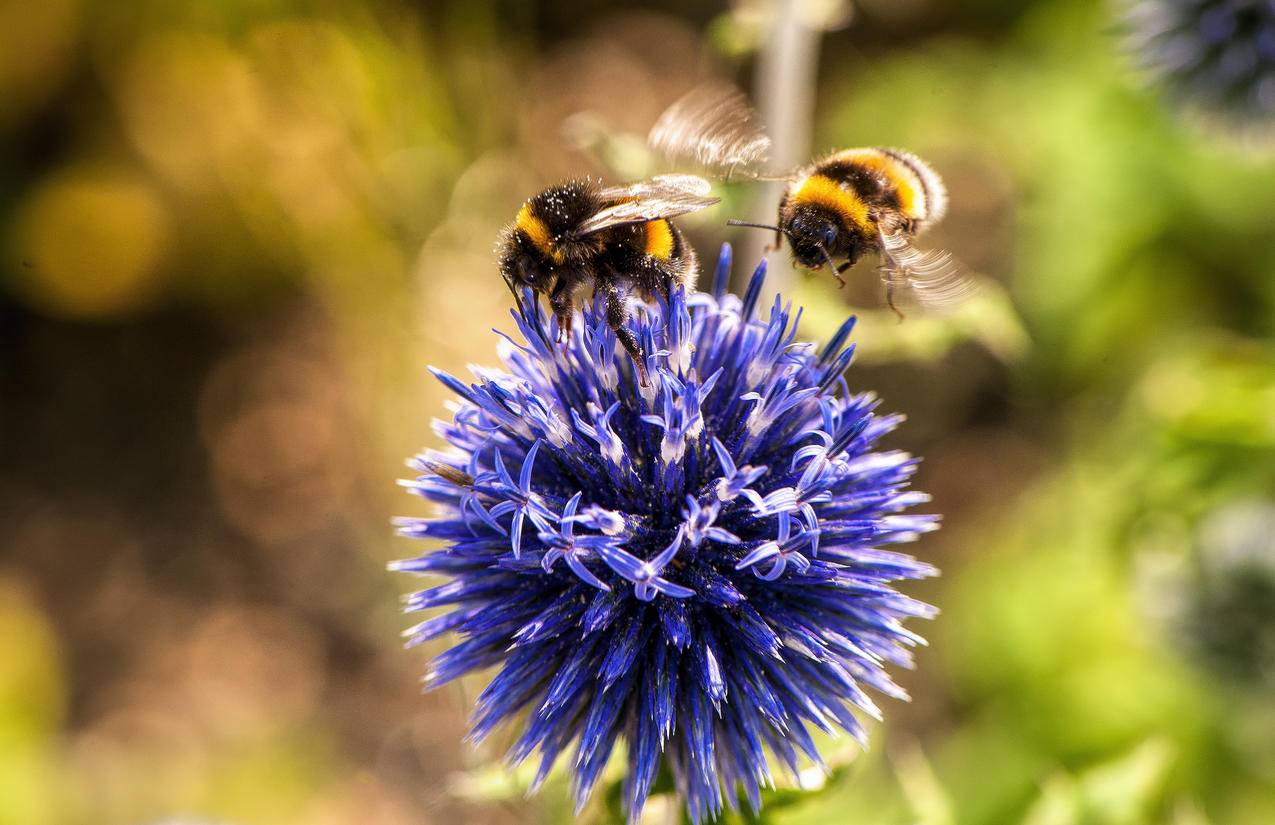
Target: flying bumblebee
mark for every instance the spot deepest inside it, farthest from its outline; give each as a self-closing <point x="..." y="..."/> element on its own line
<point x="835" y="210"/>
<point x="618" y="238"/>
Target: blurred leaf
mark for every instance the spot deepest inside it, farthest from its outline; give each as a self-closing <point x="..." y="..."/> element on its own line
<point x="988" y="318"/>
<point x="1124" y="791"/>
<point x="269" y="781"/>
<point x="492" y="782"/>
<point x="1220" y="390"/>
<point x="924" y="793"/>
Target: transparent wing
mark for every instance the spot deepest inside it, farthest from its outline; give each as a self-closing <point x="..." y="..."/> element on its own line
<point x="666" y="196"/>
<point x="930" y="279"/>
<point x="661" y="184"/>
<point x="714" y="126"/>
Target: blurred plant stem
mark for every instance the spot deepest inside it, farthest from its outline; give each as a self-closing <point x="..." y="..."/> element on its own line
<point x="784" y="92"/>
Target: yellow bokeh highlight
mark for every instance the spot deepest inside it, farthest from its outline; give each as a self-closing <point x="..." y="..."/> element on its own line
<point x="32" y="707"/>
<point x="91" y="244"/>
<point x="189" y="102"/>
<point x="37" y="43"/>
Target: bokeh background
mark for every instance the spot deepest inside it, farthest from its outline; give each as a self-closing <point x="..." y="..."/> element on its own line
<point x="232" y="235"/>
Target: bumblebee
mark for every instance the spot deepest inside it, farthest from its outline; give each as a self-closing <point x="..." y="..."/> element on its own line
<point x="619" y="239"/>
<point x="870" y="200"/>
<point x="852" y="202"/>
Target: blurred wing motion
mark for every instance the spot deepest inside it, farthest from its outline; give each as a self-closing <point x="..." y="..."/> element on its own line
<point x="714" y="126"/>
<point x="662" y="184"/>
<point x="666" y="196"/>
<point x="932" y="279"/>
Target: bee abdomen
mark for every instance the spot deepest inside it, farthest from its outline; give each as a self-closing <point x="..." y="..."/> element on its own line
<point x="934" y="193"/>
<point x="685" y="263"/>
<point x="891" y="178"/>
<point x="659" y="240"/>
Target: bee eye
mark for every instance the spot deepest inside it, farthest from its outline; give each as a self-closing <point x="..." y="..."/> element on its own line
<point x="828" y="236"/>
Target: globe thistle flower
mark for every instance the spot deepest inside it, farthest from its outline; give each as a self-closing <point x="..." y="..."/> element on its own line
<point x="694" y="568"/>
<point x="1217" y="56"/>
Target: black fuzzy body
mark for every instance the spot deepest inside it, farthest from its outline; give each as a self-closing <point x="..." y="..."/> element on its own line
<point x="616" y="261"/>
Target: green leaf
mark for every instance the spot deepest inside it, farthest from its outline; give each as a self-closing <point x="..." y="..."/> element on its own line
<point x="1125" y="791"/>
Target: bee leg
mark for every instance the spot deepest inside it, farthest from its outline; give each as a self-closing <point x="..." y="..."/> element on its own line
<point x="841" y="282"/>
<point x="564" y="330"/>
<point x="617" y="314"/>
<point x="560" y="303"/>
<point x="891" y="269"/>
<point x="666" y="287"/>
<point x="889" y="299"/>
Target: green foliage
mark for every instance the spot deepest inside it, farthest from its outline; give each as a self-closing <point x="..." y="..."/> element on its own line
<point x="1124" y="791"/>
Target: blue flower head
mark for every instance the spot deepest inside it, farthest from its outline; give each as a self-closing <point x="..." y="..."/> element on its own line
<point x="1217" y="55"/>
<point x="693" y="568"/>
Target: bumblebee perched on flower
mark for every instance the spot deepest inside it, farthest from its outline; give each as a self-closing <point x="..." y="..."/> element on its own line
<point x="849" y="203"/>
<point x="618" y="238"/>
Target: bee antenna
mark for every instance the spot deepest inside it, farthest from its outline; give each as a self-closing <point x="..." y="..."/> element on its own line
<point x="751" y="225"/>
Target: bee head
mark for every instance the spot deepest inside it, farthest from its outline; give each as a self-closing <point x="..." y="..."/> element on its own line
<point x="522" y="268"/>
<point x="817" y="235"/>
<point x="527" y="254"/>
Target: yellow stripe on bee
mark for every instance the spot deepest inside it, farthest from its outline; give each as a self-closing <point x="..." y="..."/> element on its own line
<point x="826" y="192"/>
<point x="899" y="175"/>
<point x="659" y="239"/>
<point x="537" y="232"/>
